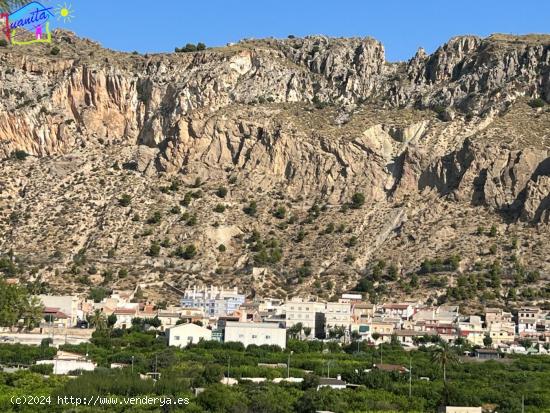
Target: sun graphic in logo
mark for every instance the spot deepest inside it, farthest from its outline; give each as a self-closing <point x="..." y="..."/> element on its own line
<point x="64" y="12"/>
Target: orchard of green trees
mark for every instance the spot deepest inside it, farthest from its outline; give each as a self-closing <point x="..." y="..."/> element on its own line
<point x="439" y="375"/>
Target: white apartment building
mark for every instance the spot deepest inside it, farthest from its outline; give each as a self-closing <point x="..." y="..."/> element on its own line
<point x="255" y="333"/>
<point x="337" y="314"/>
<point x="184" y="334"/>
<point x="309" y="313"/>
<point x="215" y="302"/>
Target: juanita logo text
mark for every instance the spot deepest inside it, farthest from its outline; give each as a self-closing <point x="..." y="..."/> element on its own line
<point x="34" y="19"/>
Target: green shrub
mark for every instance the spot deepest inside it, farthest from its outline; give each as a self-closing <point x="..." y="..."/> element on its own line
<point x="220" y="208"/>
<point x="154" y="249"/>
<point x="251" y="209"/>
<point x="280" y="212"/>
<point x="221" y="248"/>
<point x="45" y="369"/>
<point x="125" y="200"/>
<point x="20" y="155"/>
<point x="187" y="253"/>
<point x="155" y="218"/>
<point x="537" y="103"/>
<point x="3" y="43"/>
<point x="54" y="51"/>
<point x="221" y="192"/>
<point x="357" y="200"/>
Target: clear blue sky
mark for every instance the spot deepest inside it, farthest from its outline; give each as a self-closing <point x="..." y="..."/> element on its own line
<point x="402" y="26"/>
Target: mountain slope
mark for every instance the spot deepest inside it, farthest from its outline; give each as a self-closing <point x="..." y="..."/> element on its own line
<point x="438" y="147"/>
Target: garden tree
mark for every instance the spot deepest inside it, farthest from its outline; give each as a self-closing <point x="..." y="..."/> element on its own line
<point x="16" y="304"/>
<point x="307" y="331"/>
<point x="220" y="398"/>
<point x="375" y="336"/>
<point x="336" y="332"/>
<point x="111" y="320"/>
<point x="444" y="356"/>
<point x="272" y="399"/>
<point x="32" y="312"/>
<point x="8" y="267"/>
<point x="355" y="335"/>
<point x="487" y="341"/>
<point x="97" y="294"/>
<point x="357" y="200"/>
<point x="98" y="320"/>
<point x="295" y="330"/>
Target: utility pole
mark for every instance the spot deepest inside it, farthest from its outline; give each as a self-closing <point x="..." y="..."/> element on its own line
<point x="288" y="366"/>
<point x="381" y="353"/>
<point x="132" y="364"/>
<point x="228" y="365"/>
<point x="410" y="375"/>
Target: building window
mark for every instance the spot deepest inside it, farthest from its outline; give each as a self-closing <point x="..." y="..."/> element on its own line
<point x="267" y="337"/>
<point x="177" y="338"/>
<point x="254" y="336"/>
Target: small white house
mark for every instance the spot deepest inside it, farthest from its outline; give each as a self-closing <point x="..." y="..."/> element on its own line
<point x="255" y="333"/>
<point x="184" y="334"/>
<point x="65" y="362"/>
<point x="337" y="383"/>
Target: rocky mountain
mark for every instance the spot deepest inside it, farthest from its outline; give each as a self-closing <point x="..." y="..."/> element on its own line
<point x="282" y="166"/>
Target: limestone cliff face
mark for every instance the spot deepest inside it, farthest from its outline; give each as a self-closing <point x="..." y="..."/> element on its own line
<point x="247" y="108"/>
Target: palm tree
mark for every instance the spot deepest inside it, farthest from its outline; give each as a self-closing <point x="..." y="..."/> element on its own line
<point x="8" y="5"/>
<point x="98" y="320"/>
<point x="444" y="356"/>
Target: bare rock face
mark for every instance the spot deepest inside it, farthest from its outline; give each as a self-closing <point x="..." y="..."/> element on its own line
<point x="537" y="201"/>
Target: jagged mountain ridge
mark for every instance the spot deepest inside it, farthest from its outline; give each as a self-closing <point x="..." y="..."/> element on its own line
<point x="313" y="119"/>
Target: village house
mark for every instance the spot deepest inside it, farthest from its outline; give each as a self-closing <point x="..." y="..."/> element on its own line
<point x="168" y="318"/>
<point x="401" y="310"/>
<point x="336" y="384"/>
<point x="362" y="312"/>
<point x="471" y="329"/>
<point x="65" y="362"/>
<point x="66" y="304"/>
<point x="497" y="315"/>
<point x="255" y="333"/>
<point x="184" y="334"/>
<point x="528" y="318"/>
<point x="54" y="317"/>
<point x="124" y="317"/>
